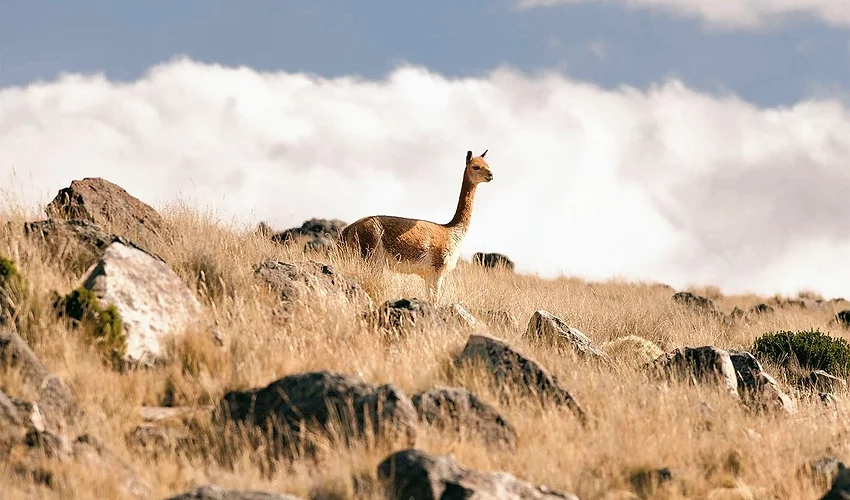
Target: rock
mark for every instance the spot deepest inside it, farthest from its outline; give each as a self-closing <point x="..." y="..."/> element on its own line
<point x="160" y="437"/>
<point x="696" y="301"/>
<point x="309" y="400"/>
<point x="632" y="347"/>
<point x="90" y="452"/>
<point x="819" y="380"/>
<point x="843" y="318"/>
<point x="553" y="330"/>
<point x="302" y="281"/>
<point x="214" y="492"/>
<point x="12" y="425"/>
<point x="502" y="319"/>
<point x="461" y="411"/>
<point x="827" y="399"/>
<point x="703" y="364"/>
<point x="154" y="303"/>
<point x="511" y="369"/>
<point x="455" y="314"/>
<point x="78" y="243"/>
<point x="761" y="309"/>
<point x="840" y="489"/>
<point x="492" y="260"/>
<point x="754" y="312"/>
<point x="110" y="207"/>
<point x="312" y="228"/>
<point x="757" y="387"/>
<point x="55" y="404"/>
<point x="823" y="471"/>
<point x="647" y="482"/>
<point x="406" y="314"/>
<point x="414" y="474"/>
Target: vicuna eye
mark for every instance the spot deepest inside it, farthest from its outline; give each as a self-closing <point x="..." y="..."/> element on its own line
<point x="476" y="167"/>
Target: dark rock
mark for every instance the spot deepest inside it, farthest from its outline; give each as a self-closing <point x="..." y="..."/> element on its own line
<point x="502" y="319"/>
<point x="511" y="369"/>
<point x="214" y="492"/>
<point x="819" y="380"/>
<point x="302" y="281"/>
<point x="55" y="402"/>
<point x="823" y="471"/>
<point x="110" y="207"/>
<point x="492" y="260"/>
<point x="761" y="309"/>
<point x="461" y="411"/>
<point x="12" y="425"/>
<point x="827" y="399"/>
<point x="312" y="228"/>
<point x="646" y="482"/>
<point x="843" y="318"/>
<point x="405" y="315"/>
<point x="553" y="330"/>
<point x="456" y="315"/>
<point x="840" y="489"/>
<point x="313" y="400"/>
<point x="696" y="301"/>
<point x="756" y="387"/>
<point x="703" y="364"/>
<point x="414" y="474"/>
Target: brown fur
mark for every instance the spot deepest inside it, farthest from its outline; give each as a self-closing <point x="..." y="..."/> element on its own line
<point x="416" y="246"/>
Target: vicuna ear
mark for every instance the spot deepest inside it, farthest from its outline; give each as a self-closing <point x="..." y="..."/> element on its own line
<point x="484" y="153"/>
<point x="468" y="156"/>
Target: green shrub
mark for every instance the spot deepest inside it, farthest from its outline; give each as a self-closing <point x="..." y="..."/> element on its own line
<point x="103" y="325"/>
<point x="810" y="349"/>
<point x="11" y="280"/>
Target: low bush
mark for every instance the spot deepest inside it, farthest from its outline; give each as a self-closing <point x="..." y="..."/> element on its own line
<point x="810" y="349"/>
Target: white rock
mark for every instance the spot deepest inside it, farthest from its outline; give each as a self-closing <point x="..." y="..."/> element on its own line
<point x="152" y="300"/>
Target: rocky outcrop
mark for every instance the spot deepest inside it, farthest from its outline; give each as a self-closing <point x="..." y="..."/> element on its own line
<point x="546" y="327"/>
<point x="414" y="474"/>
<point x="317" y="235"/>
<point x="215" y="492"/>
<point x="706" y="364"/>
<point x="54" y="403"/>
<point x="313" y="401"/>
<point x="110" y="207"/>
<point x="756" y="387"/>
<point x="510" y="370"/>
<point x="154" y="303"/>
<point x="302" y="282"/>
<point x="461" y="411"/>
<point x="701" y="305"/>
<point x="492" y="260"/>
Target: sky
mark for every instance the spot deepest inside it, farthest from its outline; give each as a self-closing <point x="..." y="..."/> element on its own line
<point x="661" y="140"/>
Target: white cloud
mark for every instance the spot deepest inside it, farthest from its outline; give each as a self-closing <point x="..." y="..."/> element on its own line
<point x="669" y="184"/>
<point x="730" y="13"/>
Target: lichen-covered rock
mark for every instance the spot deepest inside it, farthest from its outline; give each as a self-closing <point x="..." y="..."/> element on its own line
<point x="313" y="400"/>
<point x="703" y="364"/>
<point x="492" y="260"/>
<point x="302" y="282"/>
<point x="546" y="327"/>
<point x="632" y="348"/>
<point x="756" y="387"/>
<point x="459" y="410"/>
<point x="111" y="207"/>
<point x="510" y="369"/>
<point x="153" y="302"/>
<point x="56" y="406"/>
<point x="215" y="492"/>
<point x="415" y="474"/>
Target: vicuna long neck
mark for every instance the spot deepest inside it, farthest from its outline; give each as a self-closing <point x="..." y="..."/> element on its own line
<point x="463" y="214"/>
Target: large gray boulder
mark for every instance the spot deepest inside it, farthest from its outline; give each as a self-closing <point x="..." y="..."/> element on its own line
<point x="297" y="406"/>
<point x="415" y="474"/>
<point x="154" y="303"/>
<point x="510" y="369"/>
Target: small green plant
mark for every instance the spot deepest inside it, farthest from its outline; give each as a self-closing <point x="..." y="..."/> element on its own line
<point x="11" y="280"/>
<point x="104" y="325"/>
<point x="810" y="349"/>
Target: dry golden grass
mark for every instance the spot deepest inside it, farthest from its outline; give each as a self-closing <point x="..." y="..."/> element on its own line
<point x="724" y="452"/>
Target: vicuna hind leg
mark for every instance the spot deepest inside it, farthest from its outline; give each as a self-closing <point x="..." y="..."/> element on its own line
<point x="435" y="287"/>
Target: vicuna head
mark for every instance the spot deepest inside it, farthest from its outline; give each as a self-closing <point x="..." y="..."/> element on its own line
<point x="477" y="169"/>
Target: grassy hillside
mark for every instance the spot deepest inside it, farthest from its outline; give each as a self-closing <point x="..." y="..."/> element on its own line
<point x="715" y="447"/>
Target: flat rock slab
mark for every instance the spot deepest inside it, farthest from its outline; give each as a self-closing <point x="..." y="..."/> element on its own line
<point x="109" y="206"/>
<point x="154" y="303"/>
<point x="415" y="474"/>
<point x="463" y="412"/>
<point x="214" y="492"/>
<point x="546" y="327"/>
<point x="317" y="401"/>
<point x="510" y="368"/>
